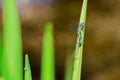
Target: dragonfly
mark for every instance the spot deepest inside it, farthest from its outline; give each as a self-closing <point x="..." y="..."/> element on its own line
<point x="78" y="29"/>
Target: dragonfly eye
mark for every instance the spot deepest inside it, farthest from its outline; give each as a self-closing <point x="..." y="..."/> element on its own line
<point x="82" y="26"/>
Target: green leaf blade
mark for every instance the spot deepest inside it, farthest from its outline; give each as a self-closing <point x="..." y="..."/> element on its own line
<point x="12" y="45"/>
<point x="69" y="67"/>
<point x="0" y="55"/>
<point x="28" y="75"/>
<point x="47" y="68"/>
<point x="79" y="44"/>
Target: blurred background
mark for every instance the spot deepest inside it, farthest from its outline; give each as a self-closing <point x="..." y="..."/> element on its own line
<point x="101" y="56"/>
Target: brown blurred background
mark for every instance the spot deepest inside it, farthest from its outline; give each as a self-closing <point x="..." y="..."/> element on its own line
<point x="101" y="57"/>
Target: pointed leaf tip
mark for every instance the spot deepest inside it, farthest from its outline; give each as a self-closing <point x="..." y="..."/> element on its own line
<point x="27" y="69"/>
<point x="47" y="64"/>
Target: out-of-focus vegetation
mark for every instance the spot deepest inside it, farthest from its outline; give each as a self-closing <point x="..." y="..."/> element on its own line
<point x="27" y="69"/>
<point x="47" y="64"/>
<point x="102" y="37"/>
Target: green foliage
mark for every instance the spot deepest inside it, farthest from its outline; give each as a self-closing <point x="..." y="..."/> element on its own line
<point x="12" y="46"/>
<point x="79" y="44"/>
<point x="27" y="69"/>
<point x="11" y="59"/>
<point x="47" y="68"/>
<point x="0" y="55"/>
<point x="69" y="67"/>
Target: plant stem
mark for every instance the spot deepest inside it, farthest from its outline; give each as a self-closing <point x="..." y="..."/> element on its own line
<point x="28" y="75"/>
<point x="69" y="67"/>
<point x="0" y="55"/>
<point x="79" y="44"/>
<point x="47" y="68"/>
<point x="12" y="45"/>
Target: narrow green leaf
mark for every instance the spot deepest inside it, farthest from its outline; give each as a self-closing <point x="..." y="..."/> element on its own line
<point x="69" y="67"/>
<point x="79" y="44"/>
<point x="12" y="45"/>
<point x="0" y="55"/>
<point x="47" y="68"/>
<point x="28" y="75"/>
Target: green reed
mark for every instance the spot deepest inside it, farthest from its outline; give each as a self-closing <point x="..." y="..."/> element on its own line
<point x="11" y="55"/>
<point x="28" y="75"/>
<point x="79" y="44"/>
<point x="47" y="64"/>
<point x="0" y="55"/>
<point x="12" y="45"/>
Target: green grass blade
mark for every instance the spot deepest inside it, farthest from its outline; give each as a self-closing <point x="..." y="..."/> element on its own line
<point x="47" y="68"/>
<point x="79" y="44"/>
<point x="0" y="55"/>
<point x="69" y="67"/>
<point x="28" y="75"/>
<point x="12" y="45"/>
